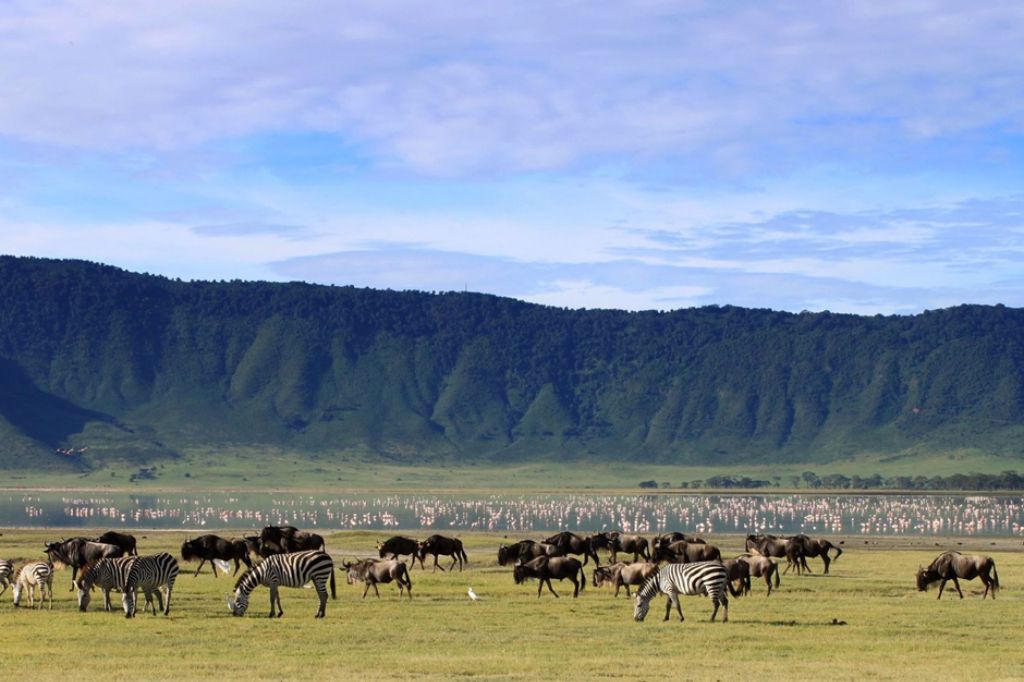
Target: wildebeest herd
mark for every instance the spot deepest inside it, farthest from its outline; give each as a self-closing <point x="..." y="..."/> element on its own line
<point x="672" y="564"/>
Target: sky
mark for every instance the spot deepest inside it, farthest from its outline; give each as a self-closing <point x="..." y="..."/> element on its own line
<point x="862" y="157"/>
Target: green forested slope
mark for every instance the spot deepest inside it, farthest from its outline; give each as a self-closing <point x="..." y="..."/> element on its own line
<point x="139" y="367"/>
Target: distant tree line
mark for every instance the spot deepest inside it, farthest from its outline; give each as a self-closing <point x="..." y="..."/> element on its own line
<point x="1005" y="480"/>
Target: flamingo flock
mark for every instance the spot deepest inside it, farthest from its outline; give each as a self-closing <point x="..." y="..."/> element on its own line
<point x="790" y="513"/>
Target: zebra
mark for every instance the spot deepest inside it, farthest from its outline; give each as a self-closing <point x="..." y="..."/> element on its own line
<point x="106" y="574"/>
<point x="151" y="574"/>
<point x="36" y="573"/>
<point x="285" y="570"/>
<point x="6" y="570"/>
<point x="706" y="577"/>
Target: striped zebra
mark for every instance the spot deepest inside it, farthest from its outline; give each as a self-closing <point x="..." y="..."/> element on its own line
<point x="106" y="574"/>
<point x="285" y="570"/>
<point x="706" y="578"/>
<point x="6" y="571"/>
<point x="31" y="575"/>
<point x="153" y="575"/>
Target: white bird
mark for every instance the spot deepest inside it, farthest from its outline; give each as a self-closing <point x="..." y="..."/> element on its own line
<point x="472" y="594"/>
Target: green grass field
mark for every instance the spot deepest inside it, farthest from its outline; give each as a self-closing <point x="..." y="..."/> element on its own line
<point x="213" y="469"/>
<point x="892" y="631"/>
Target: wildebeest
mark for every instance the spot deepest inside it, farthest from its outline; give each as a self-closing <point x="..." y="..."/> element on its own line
<point x="569" y="543"/>
<point x="622" y="574"/>
<point x="683" y="552"/>
<point x="817" y="547"/>
<point x="545" y="568"/>
<point x="441" y="545"/>
<point x="210" y="547"/>
<point x="954" y="565"/>
<point x="77" y="552"/>
<point x="373" y="571"/>
<point x="773" y="546"/>
<point x="397" y="546"/>
<point x="616" y="542"/>
<point x="760" y="567"/>
<point x="526" y="550"/>
<point x="123" y="540"/>
<point x="287" y="540"/>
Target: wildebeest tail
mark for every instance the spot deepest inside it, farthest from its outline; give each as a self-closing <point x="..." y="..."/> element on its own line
<point x="334" y="594"/>
<point x="839" y="550"/>
<point x="583" y="582"/>
<point x="995" y="577"/>
<point x="462" y="553"/>
<point x="777" y="579"/>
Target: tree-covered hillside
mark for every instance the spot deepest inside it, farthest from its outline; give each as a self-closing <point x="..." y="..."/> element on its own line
<point x="137" y="367"/>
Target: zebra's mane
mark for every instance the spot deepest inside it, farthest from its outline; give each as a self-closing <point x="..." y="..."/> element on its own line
<point x="251" y="578"/>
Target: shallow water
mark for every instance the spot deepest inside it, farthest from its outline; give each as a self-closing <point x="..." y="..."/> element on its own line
<point x="829" y="514"/>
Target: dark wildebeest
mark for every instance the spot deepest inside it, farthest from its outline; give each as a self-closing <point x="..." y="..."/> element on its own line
<point x="77" y="552"/>
<point x="288" y="539"/>
<point x="622" y="574"/>
<point x="210" y="547"/>
<point x="815" y="548"/>
<point x="441" y="545"/>
<point x="252" y="544"/>
<point x="373" y="571"/>
<point x="399" y="545"/>
<point x="525" y="550"/>
<point x="772" y="546"/>
<point x="683" y="552"/>
<point x="570" y="543"/>
<point x="123" y="540"/>
<point x="545" y="568"/>
<point x="616" y="542"/>
<point x="760" y="567"/>
<point x="954" y="565"/>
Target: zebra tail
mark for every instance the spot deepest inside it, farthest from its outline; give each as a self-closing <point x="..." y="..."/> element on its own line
<point x="334" y="594"/>
<point x="732" y="589"/>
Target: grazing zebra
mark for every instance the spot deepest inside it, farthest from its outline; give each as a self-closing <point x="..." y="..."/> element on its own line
<point x="106" y="574"/>
<point x="36" y="573"/>
<point x="151" y="574"/>
<point x="6" y="570"/>
<point x="285" y="570"/>
<point x="706" y="577"/>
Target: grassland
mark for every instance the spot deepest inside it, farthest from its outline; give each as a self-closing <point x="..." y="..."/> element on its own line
<point x="239" y="468"/>
<point x="891" y="632"/>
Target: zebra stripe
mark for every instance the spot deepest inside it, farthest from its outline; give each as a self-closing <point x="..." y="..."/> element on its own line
<point x="701" y="578"/>
<point x="106" y="574"/>
<point x="6" y="570"/>
<point x="32" y="575"/>
<point x="285" y="570"/>
<point x="153" y="575"/>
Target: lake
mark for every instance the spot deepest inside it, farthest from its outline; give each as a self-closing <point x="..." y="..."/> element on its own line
<point x="980" y="515"/>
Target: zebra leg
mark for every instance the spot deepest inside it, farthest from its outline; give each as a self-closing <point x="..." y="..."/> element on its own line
<point x="321" y="591"/>
<point x="167" y="601"/>
<point x="106" y="600"/>
<point x="158" y="592"/>
<point x="273" y="598"/>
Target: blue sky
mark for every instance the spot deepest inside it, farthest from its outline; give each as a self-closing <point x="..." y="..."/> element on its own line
<point x="856" y="157"/>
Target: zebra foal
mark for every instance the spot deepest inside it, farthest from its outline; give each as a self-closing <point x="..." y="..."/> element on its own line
<point x="703" y="578"/>
<point x="153" y="575"/>
<point x="34" y="574"/>
<point x="285" y="570"/>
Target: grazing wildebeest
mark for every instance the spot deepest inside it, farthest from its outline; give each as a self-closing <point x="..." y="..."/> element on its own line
<point x="397" y="546"/>
<point x="683" y="552"/>
<point x="815" y="548"/>
<point x="702" y="578"/>
<point x="773" y="546"/>
<point x="210" y="547"/>
<point x="32" y="575"/>
<point x="545" y="568"/>
<point x="6" y="571"/>
<point x="77" y="552"/>
<point x="570" y="543"/>
<point x="738" y="571"/>
<point x="441" y="545"/>
<point x="954" y="565"/>
<point x="123" y="540"/>
<point x="760" y="567"/>
<point x="622" y="574"/>
<point x="287" y="540"/>
<point x="616" y="542"/>
<point x="526" y="550"/>
<point x="373" y="571"/>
